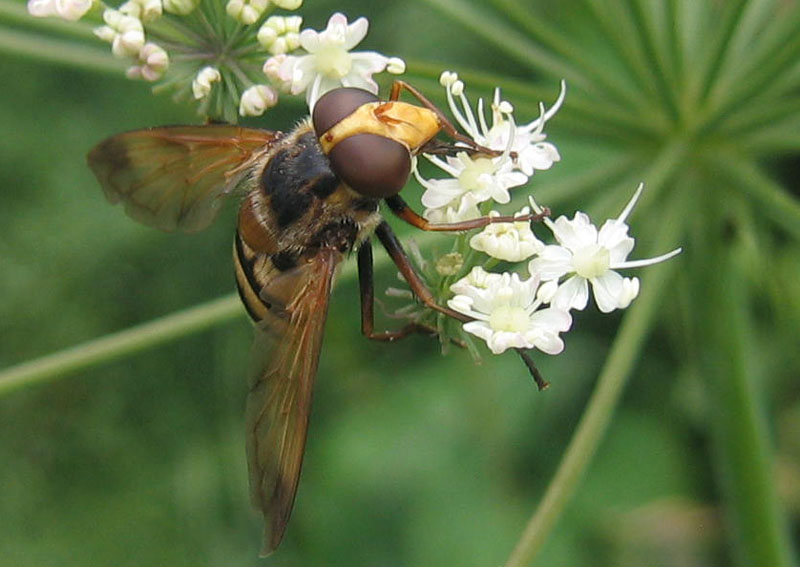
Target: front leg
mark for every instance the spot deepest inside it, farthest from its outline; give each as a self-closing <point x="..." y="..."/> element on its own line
<point x="398" y="255"/>
<point x="367" y="292"/>
<point x="400" y="208"/>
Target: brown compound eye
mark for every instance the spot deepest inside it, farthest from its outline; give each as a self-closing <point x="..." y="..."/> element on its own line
<point x="373" y="165"/>
<point x="337" y="104"/>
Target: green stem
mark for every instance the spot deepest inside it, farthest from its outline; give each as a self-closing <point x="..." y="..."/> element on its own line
<point x="109" y="347"/>
<point x="63" y="52"/>
<point x="141" y="337"/>
<point x="710" y="59"/>
<point x="649" y="28"/>
<point x="768" y="196"/>
<point x="15" y="15"/>
<point x="740" y="437"/>
<point x="510" y="41"/>
<point x="606" y="395"/>
<point x="545" y="33"/>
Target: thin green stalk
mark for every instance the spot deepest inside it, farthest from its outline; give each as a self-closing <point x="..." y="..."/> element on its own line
<point x="63" y="52"/>
<point x="510" y="41"/>
<point x="656" y="52"/>
<point x="740" y="436"/>
<point x="600" y="408"/>
<point x="783" y="138"/>
<point x="15" y="15"/>
<point x="546" y="34"/>
<point x="751" y="64"/>
<point x="745" y="87"/>
<point x="775" y="115"/>
<point x="614" y="21"/>
<point x="116" y="345"/>
<point x="712" y="52"/>
<point x="159" y="331"/>
<point x="768" y="197"/>
<point x="615" y="372"/>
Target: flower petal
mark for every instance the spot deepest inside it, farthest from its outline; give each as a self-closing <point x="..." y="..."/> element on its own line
<point x="608" y="291"/>
<point x="572" y="294"/>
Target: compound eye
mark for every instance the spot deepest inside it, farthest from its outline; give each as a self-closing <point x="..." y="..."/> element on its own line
<point x="337" y="104"/>
<point x="372" y="165"/>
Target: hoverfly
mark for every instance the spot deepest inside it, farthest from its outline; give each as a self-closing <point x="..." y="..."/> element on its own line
<point x="310" y="197"/>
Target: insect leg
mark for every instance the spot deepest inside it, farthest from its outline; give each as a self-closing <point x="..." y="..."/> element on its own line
<point x="398" y="255"/>
<point x="400" y="208"/>
<point x="444" y="122"/>
<point x="367" y="292"/>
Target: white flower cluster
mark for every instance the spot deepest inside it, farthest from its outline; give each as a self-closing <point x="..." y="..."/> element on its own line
<point x="329" y="62"/>
<point x="508" y="311"/>
<point x="263" y="55"/>
<point x="474" y="179"/>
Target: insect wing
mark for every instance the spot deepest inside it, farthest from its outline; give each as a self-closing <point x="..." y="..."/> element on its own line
<point x="176" y="177"/>
<point x="279" y="401"/>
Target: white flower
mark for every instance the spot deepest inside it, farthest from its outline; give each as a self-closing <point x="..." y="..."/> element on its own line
<point x="246" y="11"/>
<point x="180" y="7"/>
<point x="256" y="99"/>
<point x="153" y="61"/>
<point x="465" y="209"/>
<point x="506" y="312"/>
<point x="395" y="66"/>
<point x="272" y="69"/>
<point x="288" y="4"/>
<point x="280" y="34"/>
<point x="66" y="9"/>
<point x="483" y="177"/>
<point x="201" y="85"/>
<point x="125" y="33"/>
<point x="526" y="142"/>
<point x="145" y="10"/>
<point x="329" y="63"/>
<point x="509" y="241"/>
<point x="586" y="255"/>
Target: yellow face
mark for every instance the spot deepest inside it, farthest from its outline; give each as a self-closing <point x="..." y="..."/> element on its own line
<point x="410" y="125"/>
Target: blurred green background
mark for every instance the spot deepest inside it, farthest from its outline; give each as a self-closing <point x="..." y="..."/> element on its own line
<point x="414" y="458"/>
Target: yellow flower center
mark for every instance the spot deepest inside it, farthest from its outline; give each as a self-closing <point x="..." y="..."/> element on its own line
<point x="591" y="261"/>
<point x="474" y="168"/>
<point x="509" y="318"/>
<point x="333" y="61"/>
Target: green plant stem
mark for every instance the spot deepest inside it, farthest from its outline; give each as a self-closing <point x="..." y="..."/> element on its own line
<point x="606" y="395"/>
<point x="769" y="197"/>
<point x="63" y="52"/>
<point x="109" y="347"/>
<point x="740" y="439"/>
<point x="510" y="41"/>
<point x="15" y="14"/>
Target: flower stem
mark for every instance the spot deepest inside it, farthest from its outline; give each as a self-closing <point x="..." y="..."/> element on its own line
<point x="109" y="347"/>
<point x="740" y="439"/>
<point x="73" y="53"/>
<point x="610" y="384"/>
<point x="15" y="15"/>
<point x="119" y="344"/>
<point x="771" y="198"/>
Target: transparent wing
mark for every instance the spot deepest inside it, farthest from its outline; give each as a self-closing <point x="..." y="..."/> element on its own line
<point x="176" y="177"/>
<point x="279" y="401"/>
